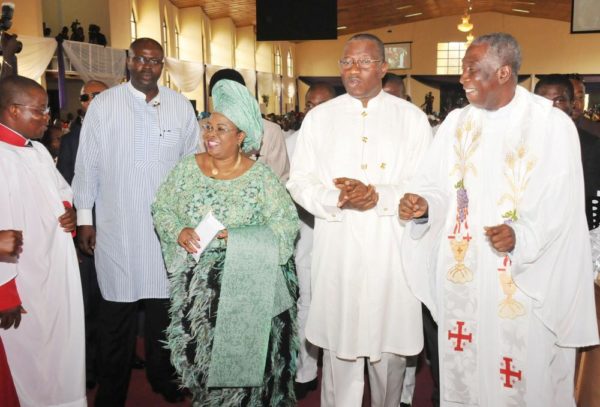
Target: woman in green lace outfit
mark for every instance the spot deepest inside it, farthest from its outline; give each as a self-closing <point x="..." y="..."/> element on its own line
<point x="232" y="334"/>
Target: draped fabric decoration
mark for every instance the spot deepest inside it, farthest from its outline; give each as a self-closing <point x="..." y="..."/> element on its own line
<point x="250" y="79"/>
<point x="36" y="55"/>
<point x="96" y="62"/>
<point x="187" y="75"/>
<point x="62" y="94"/>
<point x="210" y="71"/>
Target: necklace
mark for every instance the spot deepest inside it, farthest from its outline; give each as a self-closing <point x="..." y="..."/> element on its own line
<point x="214" y="171"/>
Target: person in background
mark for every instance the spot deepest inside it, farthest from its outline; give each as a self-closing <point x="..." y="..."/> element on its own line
<point x="52" y="140"/>
<point x="394" y="85"/>
<point x="89" y="281"/>
<point x="70" y="141"/>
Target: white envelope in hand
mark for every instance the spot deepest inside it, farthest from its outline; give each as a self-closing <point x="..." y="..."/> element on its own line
<point x="207" y="229"/>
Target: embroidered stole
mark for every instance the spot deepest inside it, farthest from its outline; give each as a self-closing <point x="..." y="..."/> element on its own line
<point x="468" y="270"/>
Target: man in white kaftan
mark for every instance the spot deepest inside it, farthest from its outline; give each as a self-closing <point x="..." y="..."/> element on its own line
<point x="46" y="351"/>
<point x="354" y="158"/>
<point x="501" y="255"/>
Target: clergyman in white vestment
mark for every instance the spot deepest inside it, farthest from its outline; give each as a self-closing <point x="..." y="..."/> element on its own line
<point x="46" y="353"/>
<point x="498" y="248"/>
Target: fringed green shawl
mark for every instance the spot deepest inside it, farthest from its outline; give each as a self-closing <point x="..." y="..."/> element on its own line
<point x="253" y="291"/>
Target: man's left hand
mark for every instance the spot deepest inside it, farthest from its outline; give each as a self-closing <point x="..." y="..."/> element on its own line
<point x="68" y="220"/>
<point x="355" y="195"/>
<point x="502" y="237"/>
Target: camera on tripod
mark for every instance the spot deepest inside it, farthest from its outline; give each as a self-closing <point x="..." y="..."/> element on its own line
<point x="8" y="10"/>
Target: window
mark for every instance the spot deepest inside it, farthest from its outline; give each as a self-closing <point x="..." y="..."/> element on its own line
<point x="165" y="37"/>
<point x="133" y="26"/>
<point x="165" y="45"/>
<point x="449" y="57"/>
<point x="290" y="65"/>
<point x="277" y="61"/>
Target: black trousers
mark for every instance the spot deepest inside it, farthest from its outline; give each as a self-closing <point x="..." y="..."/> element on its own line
<point x="91" y="304"/>
<point x="430" y="331"/>
<point x="116" y="341"/>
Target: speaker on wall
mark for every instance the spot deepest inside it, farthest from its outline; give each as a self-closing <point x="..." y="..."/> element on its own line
<point x="295" y="20"/>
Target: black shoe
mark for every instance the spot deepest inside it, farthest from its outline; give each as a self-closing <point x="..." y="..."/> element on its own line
<point x="138" y="363"/>
<point x="404" y="405"/>
<point x="302" y="389"/>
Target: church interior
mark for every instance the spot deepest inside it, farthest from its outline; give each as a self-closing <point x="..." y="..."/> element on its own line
<point x="425" y="41"/>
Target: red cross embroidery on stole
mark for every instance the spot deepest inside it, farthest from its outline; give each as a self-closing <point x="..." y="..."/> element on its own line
<point x="509" y="373"/>
<point x="459" y="336"/>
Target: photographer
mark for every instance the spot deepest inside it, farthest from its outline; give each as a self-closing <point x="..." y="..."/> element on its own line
<point x="9" y="46"/>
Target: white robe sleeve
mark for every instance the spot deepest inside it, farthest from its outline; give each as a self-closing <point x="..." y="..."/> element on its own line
<point x="85" y="181"/>
<point x="552" y="260"/>
<point x="304" y="184"/>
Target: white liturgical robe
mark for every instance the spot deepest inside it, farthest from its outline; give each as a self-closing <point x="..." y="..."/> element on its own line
<point x="508" y="323"/>
<point x="46" y="354"/>
<point x="361" y="305"/>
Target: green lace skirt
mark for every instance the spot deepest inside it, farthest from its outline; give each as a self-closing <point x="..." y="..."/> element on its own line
<point x="193" y="311"/>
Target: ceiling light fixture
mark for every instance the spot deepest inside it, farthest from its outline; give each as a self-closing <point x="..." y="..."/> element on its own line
<point x="470" y="38"/>
<point x="529" y="3"/>
<point x="466" y="25"/>
<point x="342" y="27"/>
<point x="413" y="15"/>
<point x="404" y="7"/>
<point x="518" y="10"/>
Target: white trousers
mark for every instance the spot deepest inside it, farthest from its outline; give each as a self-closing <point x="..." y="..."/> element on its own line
<point x="307" y="356"/>
<point x="344" y="380"/>
<point x="410" y="379"/>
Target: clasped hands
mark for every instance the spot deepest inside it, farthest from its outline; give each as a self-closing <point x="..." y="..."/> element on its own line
<point x="501" y="237"/>
<point x="190" y="241"/>
<point x="355" y="195"/>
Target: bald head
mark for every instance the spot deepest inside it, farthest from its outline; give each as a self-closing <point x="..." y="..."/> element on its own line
<point x="14" y="88"/>
<point x="318" y="93"/>
<point x="143" y="43"/>
<point x="89" y="91"/>
<point x="372" y="38"/>
<point x="23" y="106"/>
<point x="394" y="85"/>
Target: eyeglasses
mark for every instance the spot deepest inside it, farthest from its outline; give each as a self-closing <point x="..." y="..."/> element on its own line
<point x="43" y="112"/>
<point x="150" y="61"/>
<point x="86" y="97"/>
<point x="219" y="130"/>
<point x="363" y="63"/>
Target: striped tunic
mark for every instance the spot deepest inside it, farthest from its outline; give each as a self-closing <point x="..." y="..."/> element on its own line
<point x="127" y="148"/>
